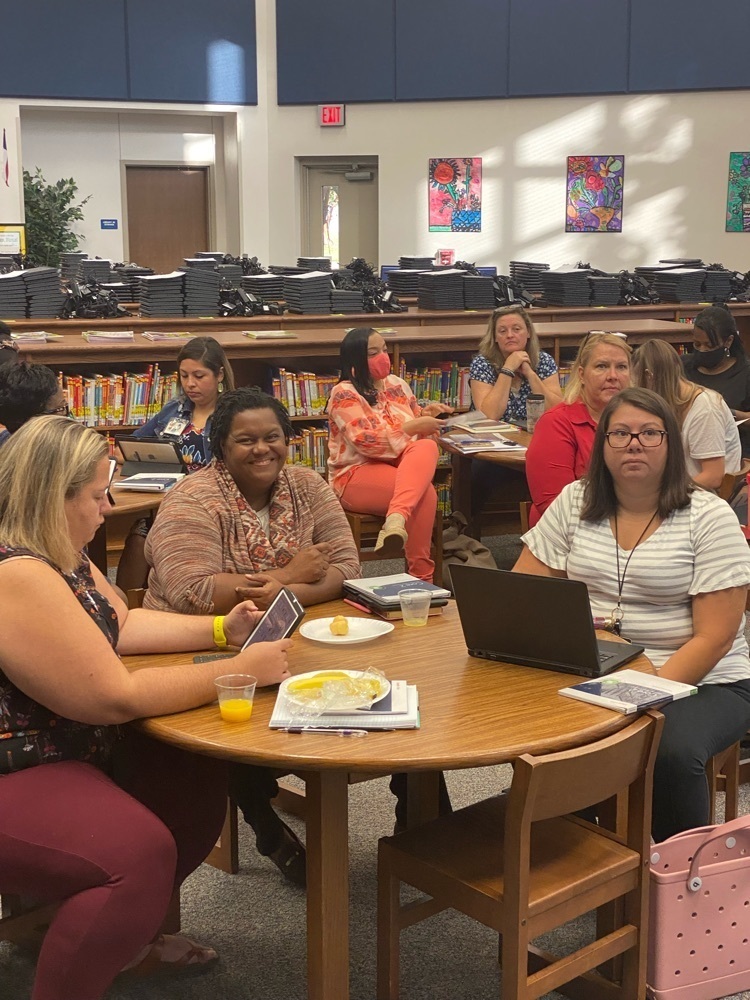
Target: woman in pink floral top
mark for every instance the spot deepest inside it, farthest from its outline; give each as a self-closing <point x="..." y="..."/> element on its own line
<point x="381" y="455"/>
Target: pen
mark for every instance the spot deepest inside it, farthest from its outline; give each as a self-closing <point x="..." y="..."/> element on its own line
<point x="327" y="732"/>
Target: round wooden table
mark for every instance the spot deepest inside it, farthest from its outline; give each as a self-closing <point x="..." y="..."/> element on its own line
<point x="474" y="713"/>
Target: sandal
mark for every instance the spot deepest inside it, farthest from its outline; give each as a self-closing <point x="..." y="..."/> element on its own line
<point x="290" y="858"/>
<point x="194" y="959"/>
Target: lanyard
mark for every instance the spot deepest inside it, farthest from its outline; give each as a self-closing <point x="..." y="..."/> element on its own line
<point x="615" y="619"/>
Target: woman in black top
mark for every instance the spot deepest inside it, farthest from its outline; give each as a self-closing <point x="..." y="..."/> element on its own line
<point x="719" y="362"/>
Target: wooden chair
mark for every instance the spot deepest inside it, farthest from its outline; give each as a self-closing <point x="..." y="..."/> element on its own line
<point x="732" y="483"/>
<point x="723" y="773"/>
<point x="520" y="864"/>
<point x="365" y="528"/>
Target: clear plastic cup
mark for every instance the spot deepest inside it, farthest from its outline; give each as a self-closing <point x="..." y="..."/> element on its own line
<point x="415" y="606"/>
<point x="236" y="693"/>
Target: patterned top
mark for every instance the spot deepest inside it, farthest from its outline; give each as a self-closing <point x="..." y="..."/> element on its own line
<point x="205" y="526"/>
<point x="482" y="370"/>
<point x="359" y="433"/>
<point x="31" y="734"/>
<point x="703" y="547"/>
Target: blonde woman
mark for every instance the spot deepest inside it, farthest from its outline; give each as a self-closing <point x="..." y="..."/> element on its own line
<point x="709" y="433"/>
<point x="101" y="820"/>
<point x="561" y="445"/>
<point x="510" y="367"/>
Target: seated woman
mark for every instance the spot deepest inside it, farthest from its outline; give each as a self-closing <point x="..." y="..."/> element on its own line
<point x="26" y="391"/>
<point x="246" y="526"/>
<point x="204" y="373"/>
<point x="91" y="815"/>
<point x="719" y="362"/>
<point x="709" y="433"/>
<point x="561" y="444"/>
<point x="381" y="459"/>
<point x="670" y="565"/>
<point x="510" y="367"/>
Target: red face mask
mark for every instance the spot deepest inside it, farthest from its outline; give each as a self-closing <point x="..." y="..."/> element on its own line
<point x="380" y="365"/>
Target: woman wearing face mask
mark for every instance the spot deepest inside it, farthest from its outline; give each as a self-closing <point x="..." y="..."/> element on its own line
<point x="719" y="362"/>
<point x="381" y="458"/>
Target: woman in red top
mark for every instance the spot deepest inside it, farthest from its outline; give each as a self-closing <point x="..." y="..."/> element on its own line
<point x="381" y="458"/>
<point x="561" y="444"/>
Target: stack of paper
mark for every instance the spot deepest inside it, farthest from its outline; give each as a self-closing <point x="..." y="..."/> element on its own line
<point x="147" y="482"/>
<point x="470" y="444"/>
<point x="398" y="710"/>
<point x="379" y="594"/>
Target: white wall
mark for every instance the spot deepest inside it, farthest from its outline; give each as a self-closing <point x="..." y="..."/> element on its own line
<point x="676" y="149"/>
<point x="11" y="195"/>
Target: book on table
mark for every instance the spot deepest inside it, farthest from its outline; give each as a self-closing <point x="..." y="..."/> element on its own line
<point x="108" y="336"/>
<point x="270" y="334"/>
<point x="383" y="591"/>
<point x="156" y="335"/>
<point x="391" y="613"/>
<point x="476" y="423"/>
<point x="468" y="444"/>
<point x="629" y="691"/>
<point x="399" y="709"/>
<point x="148" y="482"/>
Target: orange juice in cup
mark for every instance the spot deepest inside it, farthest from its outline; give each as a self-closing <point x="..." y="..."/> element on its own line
<point x="236" y="693"/>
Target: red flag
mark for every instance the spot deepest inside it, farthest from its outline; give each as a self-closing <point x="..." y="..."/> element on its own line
<point x="6" y="165"/>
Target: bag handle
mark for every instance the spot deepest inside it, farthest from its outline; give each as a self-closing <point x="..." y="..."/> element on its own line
<point x="741" y="824"/>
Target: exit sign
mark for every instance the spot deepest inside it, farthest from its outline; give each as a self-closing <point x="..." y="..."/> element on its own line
<point x="331" y="114"/>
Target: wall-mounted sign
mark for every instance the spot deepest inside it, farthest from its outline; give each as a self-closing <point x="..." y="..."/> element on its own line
<point x="108" y="223"/>
<point x="13" y="237"/>
<point x="331" y="114"/>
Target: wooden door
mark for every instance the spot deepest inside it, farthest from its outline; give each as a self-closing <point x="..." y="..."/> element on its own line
<point x="167" y="215"/>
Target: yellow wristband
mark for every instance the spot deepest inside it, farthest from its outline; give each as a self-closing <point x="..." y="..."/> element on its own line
<point x="220" y="639"/>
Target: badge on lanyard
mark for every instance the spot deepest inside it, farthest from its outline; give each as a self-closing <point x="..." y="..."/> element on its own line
<point x="175" y="428"/>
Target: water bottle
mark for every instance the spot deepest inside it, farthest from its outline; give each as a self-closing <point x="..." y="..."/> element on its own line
<point x="534" y="410"/>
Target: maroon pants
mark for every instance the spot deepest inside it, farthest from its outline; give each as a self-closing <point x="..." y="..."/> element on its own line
<point x="112" y="850"/>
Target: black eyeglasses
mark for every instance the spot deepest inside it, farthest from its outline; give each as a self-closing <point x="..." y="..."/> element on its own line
<point x="650" y="438"/>
<point x="59" y="411"/>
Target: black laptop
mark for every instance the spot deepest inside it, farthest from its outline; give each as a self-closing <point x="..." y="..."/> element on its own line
<point x="151" y="455"/>
<point x="537" y="621"/>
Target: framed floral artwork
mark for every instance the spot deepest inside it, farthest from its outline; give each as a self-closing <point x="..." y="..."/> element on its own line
<point x="594" y="194"/>
<point x="455" y="195"/>
<point x="738" y="194"/>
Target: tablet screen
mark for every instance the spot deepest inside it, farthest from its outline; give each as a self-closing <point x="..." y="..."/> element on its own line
<point x="281" y="619"/>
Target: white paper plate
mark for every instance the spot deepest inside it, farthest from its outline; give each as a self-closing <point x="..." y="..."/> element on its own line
<point x="385" y="687"/>
<point x="360" y="630"/>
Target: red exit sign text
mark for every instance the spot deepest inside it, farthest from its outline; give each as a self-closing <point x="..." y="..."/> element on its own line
<point x="331" y="114"/>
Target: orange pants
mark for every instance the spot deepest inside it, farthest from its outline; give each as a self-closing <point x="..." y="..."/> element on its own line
<point x="402" y="486"/>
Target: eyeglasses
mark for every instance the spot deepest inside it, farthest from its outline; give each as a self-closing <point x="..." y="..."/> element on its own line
<point x="601" y="333"/>
<point x="59" y="411"/>
<point x="650" y="438"/>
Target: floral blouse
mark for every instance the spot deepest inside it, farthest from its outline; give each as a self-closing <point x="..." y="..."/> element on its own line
<point x="31" y="734"/>
<point x="360" y="433"/>
<point x="482" y="370"/>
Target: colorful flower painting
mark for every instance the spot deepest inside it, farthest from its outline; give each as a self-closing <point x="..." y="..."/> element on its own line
<point x="594" y="193"/>
<point x="738" y="194"/>
<point x="456" y="195"/>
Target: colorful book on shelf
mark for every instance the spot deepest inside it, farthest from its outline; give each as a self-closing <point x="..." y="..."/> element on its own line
<point x="286" y="715"/>
<point x="270" y="334"/>
<point x="629" y="691"/>
<point x="146" y="482"/>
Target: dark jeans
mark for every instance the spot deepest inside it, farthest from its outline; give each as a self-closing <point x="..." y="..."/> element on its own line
<point x="252" y="788"/>
<point x="696" y="728"/>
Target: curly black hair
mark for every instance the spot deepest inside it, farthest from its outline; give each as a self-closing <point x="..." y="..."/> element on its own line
<point x="249" y="397"/>
<point x="25" y="392"/>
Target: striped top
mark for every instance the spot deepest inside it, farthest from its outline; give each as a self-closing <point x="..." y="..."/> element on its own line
<point x="205" y="526"/>
<point x="697" y="550"/>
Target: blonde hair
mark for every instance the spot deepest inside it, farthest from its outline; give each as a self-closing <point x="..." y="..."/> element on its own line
<point x="657" y="366"/>
<point x="574" y="388"/>
<point x="488" y="344"/>
<point x="46" y="462"/>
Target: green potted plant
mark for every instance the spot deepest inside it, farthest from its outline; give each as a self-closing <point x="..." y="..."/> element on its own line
<point x="50" y="211"/>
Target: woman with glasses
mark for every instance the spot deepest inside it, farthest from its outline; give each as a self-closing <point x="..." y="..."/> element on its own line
<point x="667" y="566"/>
<point x="719" y="362"/>
<point x="27" y="391"/>
<point x="511" y="366"/>
<point x="709" y="433"/>
<point x="562" y="441"/>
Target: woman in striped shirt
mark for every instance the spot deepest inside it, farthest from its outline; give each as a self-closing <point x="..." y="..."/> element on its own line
<point x="668" y="565"/>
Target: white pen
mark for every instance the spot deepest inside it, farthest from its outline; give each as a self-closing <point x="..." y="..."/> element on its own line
<point x="328" y="732"/>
